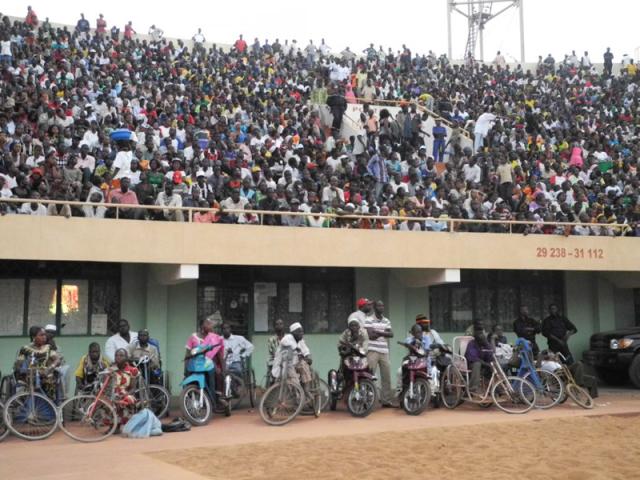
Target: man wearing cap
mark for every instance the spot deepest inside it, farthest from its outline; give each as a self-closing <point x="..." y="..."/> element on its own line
<point x="299" y="368"/>
<point x="122" y="339"/>
<point x="364" y="310"/>
<point x="379" y="329"/>
<point x="429" y="335"/>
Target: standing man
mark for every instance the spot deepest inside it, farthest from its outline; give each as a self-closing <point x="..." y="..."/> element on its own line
<point x="236" y="347"/>
<point x="273" y="342"/>
<point x="379" y="330"/>
<point x="526" y="327"/>
<point x="364" y="310"/>
<point x="608" y="61"/>
<point x="439" y="136"/>
<point x="557" y="328"/>
<point x="122" y="339"/>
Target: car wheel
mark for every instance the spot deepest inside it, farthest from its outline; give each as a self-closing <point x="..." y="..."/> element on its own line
<point x="634" y="371"/>
<point x="613" y="377"/>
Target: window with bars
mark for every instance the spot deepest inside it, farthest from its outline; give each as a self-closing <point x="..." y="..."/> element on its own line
<point x="84" y="298"/>
<point x="495" y="297"/>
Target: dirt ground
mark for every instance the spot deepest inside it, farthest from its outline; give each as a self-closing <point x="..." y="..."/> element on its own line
<point x="565" y="442"/>
<point x="583" y="448"/>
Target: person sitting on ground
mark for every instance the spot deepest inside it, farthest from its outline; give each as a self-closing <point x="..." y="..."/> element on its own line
<point x="478" y="354"/>
<point x="299" y="369"/>
<point x="40" y="356"/>
<point x="141" y="348"/>
<point x="125" y="382"/>
<point x="236" y="348"/>
<point x="89" y="366"/>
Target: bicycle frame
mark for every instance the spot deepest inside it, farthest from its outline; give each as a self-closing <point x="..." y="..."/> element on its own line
<point x="527" y="366"/>
<point x="497" y="374"/>
<point x="100" y="394"/>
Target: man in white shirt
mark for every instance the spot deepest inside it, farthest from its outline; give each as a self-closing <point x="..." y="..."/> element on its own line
<point x="299" y="369"/>
<point x="472" y="171"/>
<point x="236" y="348"/>
<point x="499" y="61"/>
<point x="481" y="130"/>
<point x="122" y="164"/>
<point x="364" y="310"/>
<point x="379" y="329"/>
<point x="332" y="191"/>
<point x="122" y="339"/>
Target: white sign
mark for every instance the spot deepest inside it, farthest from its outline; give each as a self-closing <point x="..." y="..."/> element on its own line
<point x="99" y="324"/>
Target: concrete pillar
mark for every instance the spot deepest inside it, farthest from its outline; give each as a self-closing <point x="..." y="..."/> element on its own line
<point x="133" y="295"/>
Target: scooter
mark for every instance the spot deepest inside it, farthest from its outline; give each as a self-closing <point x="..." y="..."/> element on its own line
<point x="416" y="392"/>
<point x="355" y="381"/>
<point x="198" y="399"/>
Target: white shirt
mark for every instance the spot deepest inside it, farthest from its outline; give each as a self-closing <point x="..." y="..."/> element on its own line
<point x="116" y="342"/>
<point x="380" y="344"/>
<point x="288" y="342"/>
<point x="41" y="211"/>
<point x="5" y="47"/>
<point x="235" y="343"/>
<point x="472" y="173"/>
<point x="123" y="163"/>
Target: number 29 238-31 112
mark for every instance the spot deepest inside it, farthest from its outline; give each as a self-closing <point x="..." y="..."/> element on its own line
<point x="579" y="253"/>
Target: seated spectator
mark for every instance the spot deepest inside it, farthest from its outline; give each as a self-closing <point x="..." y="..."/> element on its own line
<point x="89" y="366"/>
<point x="479" y="354"/>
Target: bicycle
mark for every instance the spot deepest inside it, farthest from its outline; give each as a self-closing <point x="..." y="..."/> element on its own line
<point x="549" y="387"/>
<point x="509" y="394"/>
<point x="285" y="399"/>
<point x="87" y="417"/>
<point x="151" y="395"/>
<point x="578" y="394"/>
<point x="30" y="414"/>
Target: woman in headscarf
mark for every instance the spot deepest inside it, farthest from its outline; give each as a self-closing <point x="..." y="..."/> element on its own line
<point x="125" y="382"/>
<point x="38" y="355"/>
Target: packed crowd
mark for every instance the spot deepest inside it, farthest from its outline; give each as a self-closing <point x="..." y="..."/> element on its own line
<point x="99" y="117"/>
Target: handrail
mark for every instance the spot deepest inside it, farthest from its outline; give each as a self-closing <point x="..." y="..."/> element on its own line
<point x="191" y="210"/>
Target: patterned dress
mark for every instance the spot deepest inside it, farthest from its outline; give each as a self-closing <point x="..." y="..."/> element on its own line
<point x="41" y="359"/>
<point x="126" y="403"/>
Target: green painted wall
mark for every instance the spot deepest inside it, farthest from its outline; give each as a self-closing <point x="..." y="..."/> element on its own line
<point x="592" y="302"/>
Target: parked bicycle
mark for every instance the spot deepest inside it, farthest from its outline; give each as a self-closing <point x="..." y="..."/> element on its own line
<point x="285" y="398"/>
<point x="578" y="394"/>
<point x="4" y="431"/>
<point x="151" y="395"/>
<point x="90" y="418"/>
<point x="509" y="394"/>
<point x="30" y="414"/>
<point x="243" y="383"/>
<point x="549" y="387"/>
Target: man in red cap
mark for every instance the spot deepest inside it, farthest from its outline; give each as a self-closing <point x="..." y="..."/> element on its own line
<point x="364" y="310"/>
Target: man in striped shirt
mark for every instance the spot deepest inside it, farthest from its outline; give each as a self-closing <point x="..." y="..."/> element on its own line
<point x="379" y="329"/>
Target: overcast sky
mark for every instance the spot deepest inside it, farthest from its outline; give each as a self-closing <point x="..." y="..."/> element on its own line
<point x="551" y="26"/>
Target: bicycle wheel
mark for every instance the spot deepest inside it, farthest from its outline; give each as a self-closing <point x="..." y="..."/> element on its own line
<point x="281" y="403"/>
<point x="239" y="390"/>
<point x="549" y="388"/>
<point x="31" y="416"/>
<point x="514" y="395"/>
<point x="580" y="395"/>
<point x="7" y="387"/>
<point x="159" y="399"/>
<point x="324" y="392"/>
<point x="451" y="387"/>
<point x="4" y="431"/>
<point x="87" y="418"/>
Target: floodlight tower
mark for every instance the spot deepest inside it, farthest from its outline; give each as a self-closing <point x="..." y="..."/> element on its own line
<point x="478" y="13"/>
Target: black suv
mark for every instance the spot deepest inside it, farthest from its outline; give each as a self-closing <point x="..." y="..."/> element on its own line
<point x="616" y="355"/>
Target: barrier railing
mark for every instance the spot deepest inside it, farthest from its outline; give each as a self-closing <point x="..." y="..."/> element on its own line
<point x="188" y="215"/>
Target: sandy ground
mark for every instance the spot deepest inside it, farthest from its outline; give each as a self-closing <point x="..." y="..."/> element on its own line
<point x="585" y="448"/>
<point x="446" y="444"/>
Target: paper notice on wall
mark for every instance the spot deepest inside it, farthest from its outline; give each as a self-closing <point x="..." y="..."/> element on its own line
<point x="295" y="298"/>
<point x="261" y="293"/>
<point x="99" y="324"/>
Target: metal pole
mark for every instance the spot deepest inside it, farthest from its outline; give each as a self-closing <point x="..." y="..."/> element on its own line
<point x="481" y="27"/>
<point x="520" y="7"/>
<point x="449" y="8"/>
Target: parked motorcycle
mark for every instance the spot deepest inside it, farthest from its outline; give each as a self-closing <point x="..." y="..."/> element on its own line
<point x="416" y="392"/>
<point x="198" y="399"/>
<point x="440" y="358"/>
<point x="353" y="381"/>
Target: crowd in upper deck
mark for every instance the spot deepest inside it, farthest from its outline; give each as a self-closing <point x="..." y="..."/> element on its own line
<point x="100" y="116"/>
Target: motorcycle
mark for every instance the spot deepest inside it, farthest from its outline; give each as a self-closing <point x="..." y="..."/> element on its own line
<point x="198" y="399"/>
<point x="416" y="392"/>
<point x="355" y="381"/>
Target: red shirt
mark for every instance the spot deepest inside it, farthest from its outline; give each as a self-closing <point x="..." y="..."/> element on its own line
<point x="240" y="45"/>
<point x="128" y="198"/>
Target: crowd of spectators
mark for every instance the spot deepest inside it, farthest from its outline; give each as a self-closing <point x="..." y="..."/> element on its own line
<point x="242" y="130"/>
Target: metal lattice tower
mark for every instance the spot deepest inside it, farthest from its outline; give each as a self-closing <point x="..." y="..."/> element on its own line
<point x="478" y="13"/>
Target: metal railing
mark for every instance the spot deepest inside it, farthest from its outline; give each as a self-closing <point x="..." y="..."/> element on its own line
<point x="188" y="215"/>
